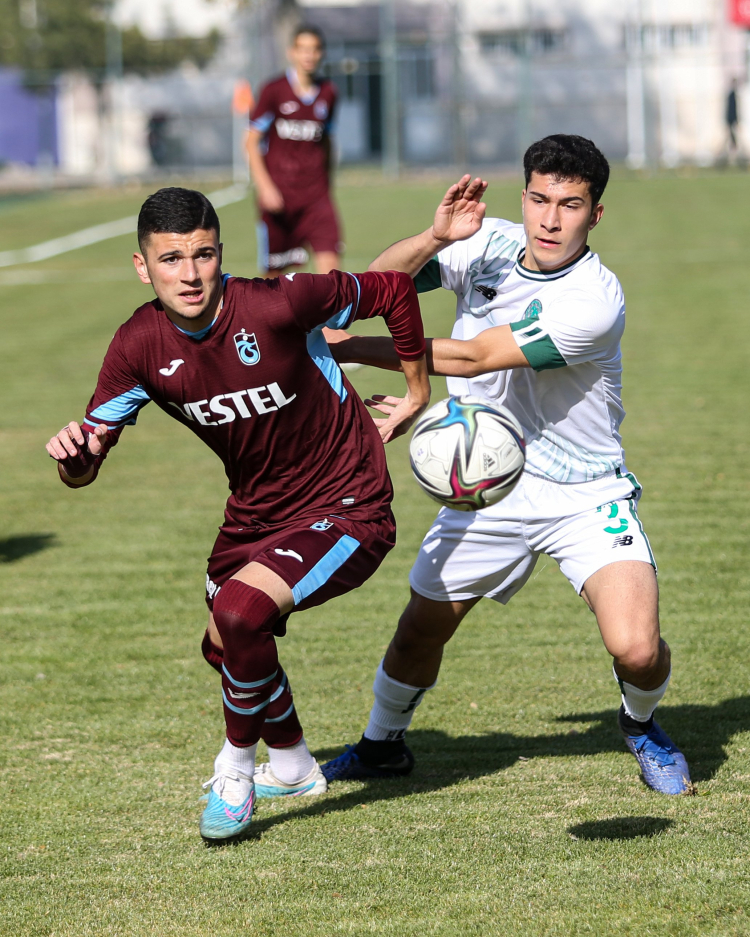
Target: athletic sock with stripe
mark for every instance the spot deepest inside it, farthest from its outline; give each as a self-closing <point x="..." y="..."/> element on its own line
<point x="638" y="704"/>
<point x="393" y="709"/>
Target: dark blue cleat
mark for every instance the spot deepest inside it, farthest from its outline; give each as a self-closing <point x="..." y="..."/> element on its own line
<point x="662" y="764"/>
<point x="350" y="767"/>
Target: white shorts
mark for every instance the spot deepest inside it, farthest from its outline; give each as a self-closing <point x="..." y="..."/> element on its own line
<point x="492" y="552"/>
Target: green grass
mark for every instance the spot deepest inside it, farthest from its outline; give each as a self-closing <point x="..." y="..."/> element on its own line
<point x="525" y="815"/>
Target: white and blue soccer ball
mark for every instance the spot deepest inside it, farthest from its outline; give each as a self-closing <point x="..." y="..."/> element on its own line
<point x="467" y="453"/>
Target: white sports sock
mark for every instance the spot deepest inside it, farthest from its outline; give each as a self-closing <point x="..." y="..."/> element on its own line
<point x="292" y="764"/>
<point x="640" y="704"/>
<point x="229" y="786"/>
<point x="394" y="706"/>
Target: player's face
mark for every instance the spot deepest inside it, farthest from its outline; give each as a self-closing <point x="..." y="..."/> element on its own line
<point x="306" y="53"/>
<point x="185" y="272"/>
<point x="557" y="217"/>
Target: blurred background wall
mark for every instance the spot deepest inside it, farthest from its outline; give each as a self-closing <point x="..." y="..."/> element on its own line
<point x="104" y="91"/>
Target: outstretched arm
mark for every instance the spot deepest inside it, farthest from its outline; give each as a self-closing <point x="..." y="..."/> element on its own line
<point x="459" y="215"/>
<point x="336" y="299"/>
<point x="492" y="350"/>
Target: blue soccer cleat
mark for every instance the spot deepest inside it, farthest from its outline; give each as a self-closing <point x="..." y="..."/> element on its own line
<point x="222" y="822"/>
<point x="350" y="767"/>
<point x="662" y="764"/>
<point x="268" y="785"/>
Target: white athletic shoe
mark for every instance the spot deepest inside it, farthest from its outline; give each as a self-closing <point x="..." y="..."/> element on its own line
<point x="268" y="785"/>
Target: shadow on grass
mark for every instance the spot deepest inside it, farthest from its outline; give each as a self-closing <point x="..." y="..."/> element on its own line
<point x="16" y="548"/>
<point x="703" y="732"/>
<point x="620" y="828"/>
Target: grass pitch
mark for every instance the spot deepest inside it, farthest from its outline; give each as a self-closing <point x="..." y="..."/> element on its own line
<point x="525" y="814"/>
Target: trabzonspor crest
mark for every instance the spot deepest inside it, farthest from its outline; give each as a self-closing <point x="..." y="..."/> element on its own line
<point x="247" y="347"/>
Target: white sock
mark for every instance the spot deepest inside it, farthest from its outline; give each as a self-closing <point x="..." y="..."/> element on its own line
<point x="640" y="704"/>
<point x="394" y="706"/>
<point x="235" y="768"/>
<point x="292" y="764"/>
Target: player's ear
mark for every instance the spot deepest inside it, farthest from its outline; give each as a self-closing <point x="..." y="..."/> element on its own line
<point x="221" y="252"/>
<point x="139" y="262"/>
<point x="596" y="216"/>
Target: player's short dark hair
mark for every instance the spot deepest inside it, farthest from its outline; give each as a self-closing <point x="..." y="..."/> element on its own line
<point x="176" y="211"/>
<point x="307" y="29"/>
<point x="568" y="156"/>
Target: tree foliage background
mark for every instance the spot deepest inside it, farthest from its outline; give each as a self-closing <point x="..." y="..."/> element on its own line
<point x="48" y="36"/>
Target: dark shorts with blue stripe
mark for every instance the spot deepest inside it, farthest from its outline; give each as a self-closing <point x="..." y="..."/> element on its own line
<point x="318" y="558"/>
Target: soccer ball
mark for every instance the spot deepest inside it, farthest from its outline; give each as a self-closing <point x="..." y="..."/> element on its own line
<point x="467" y="453"/>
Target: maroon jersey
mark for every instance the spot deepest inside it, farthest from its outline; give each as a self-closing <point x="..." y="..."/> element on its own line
<point x="296" y="138"/>
<point x="259" y="386"/>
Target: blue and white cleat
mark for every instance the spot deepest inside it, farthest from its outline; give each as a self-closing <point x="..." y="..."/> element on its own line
<point x="350" y="767"/>
<point x="662" y="764"/>
<point x="268" y="785"/>
<point x="222" y="821"/>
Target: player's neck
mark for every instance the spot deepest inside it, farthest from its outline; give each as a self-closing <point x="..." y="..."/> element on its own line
<point x="302" y="81"/>
<point x="208" y="317"/>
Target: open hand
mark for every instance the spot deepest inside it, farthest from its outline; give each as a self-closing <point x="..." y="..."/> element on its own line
<point x="401" y="414"/>
<point x="461" y="212"/>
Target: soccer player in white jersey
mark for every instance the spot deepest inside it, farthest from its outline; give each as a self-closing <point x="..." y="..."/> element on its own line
<point x="538" y="327"/>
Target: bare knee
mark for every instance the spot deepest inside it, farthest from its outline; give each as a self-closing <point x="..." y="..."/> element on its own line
<point x="426" y="625"/>
<point x="640" y="660"/>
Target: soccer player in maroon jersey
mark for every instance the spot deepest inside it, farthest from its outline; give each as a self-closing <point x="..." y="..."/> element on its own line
<point x="244" y="365"/>
<point x="289" y="150"/>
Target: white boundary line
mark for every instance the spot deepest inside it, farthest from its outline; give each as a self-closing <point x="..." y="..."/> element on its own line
<point x="102" y="232"/>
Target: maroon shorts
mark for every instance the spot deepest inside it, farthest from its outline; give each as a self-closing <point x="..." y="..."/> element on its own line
<point x="281" y="238"/>
<point x="317" y="559"/>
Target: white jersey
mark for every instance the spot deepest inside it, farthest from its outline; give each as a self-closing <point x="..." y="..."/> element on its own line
<point x="568" y="324"/>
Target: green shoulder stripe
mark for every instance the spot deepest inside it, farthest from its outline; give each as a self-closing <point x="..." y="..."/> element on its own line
<point x="538" y="348"/>
<point x="429" y="277"/>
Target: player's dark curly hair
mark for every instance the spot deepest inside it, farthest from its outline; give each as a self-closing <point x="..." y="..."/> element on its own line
<point x="568" y="156"/>
<point x="176" y="211"/>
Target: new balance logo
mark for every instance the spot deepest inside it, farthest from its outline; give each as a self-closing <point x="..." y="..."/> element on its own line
<point x="487" y="291"/>
<point x="625" y="541"/>
<point x="173" y="365"/>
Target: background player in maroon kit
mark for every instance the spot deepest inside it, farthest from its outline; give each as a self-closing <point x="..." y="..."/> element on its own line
<point x="244" y="365"/>
<point x="289" y="149"/>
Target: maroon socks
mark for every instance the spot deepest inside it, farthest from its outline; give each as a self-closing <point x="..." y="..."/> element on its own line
<point x="245" y="617"/>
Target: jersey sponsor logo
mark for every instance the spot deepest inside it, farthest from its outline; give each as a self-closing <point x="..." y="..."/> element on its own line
<point x="533" y="310"/>
<point x="321" y="109"/>
<point x="173" y="365"/>
<point x="308" y="131"/>
<point x="238" y="403"/>
<point x="291" y="553"/>
<point x="322" y="525"/>
<point x="247" y="347"/>
<point x="288" y="107"/>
